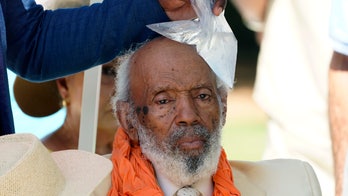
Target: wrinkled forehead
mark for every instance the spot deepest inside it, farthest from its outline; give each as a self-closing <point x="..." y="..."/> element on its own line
<point x="163" y="54"/>
<point x="162" y="49"/>
<point x="163" y="62"/>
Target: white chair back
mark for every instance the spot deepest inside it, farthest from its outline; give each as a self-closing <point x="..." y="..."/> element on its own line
<point x="89" y="108"/>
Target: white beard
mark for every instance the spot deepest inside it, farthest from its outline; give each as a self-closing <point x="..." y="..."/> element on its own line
<point x="182" y="168"/>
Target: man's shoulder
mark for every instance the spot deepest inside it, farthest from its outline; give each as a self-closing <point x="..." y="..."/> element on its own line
<point x="275" y="177"/>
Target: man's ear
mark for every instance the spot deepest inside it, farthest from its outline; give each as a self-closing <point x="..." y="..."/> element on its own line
<point x="123" y="111"/>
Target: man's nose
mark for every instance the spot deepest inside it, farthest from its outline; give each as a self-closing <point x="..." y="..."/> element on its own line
<point x="187" y="113"/>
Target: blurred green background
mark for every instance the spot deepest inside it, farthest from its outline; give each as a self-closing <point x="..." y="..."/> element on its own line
<point x="244" y="134"/>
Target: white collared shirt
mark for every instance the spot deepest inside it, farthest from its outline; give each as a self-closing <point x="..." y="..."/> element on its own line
<point x="205" y="186"/>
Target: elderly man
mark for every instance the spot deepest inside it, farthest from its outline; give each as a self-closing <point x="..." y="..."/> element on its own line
<point x="172" y="108"/>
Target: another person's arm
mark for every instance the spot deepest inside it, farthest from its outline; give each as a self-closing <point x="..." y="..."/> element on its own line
<point x="338" y="112"/>
<point x="80" y="38"/>
<point x="338" y="92"/>
<point x="48" y="44"/>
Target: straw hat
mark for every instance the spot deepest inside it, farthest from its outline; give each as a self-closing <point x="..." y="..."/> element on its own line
<point x="27" y="168"/>
<point x="37" y="99"/>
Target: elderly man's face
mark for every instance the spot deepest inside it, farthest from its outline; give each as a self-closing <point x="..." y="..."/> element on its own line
<point x="172" y="86"/>
<point x="176" y="102"/>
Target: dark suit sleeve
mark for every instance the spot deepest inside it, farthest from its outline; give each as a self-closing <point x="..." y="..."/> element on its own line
<point x="43" y="45"/>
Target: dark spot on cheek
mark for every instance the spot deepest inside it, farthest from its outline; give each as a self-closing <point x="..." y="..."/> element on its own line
<point x="145" y="110"/>
<point x="138" y="109"/>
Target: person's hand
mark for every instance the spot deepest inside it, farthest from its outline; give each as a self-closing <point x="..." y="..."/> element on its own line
<point x="182" y="9"/>
<point x="219" y="7"/>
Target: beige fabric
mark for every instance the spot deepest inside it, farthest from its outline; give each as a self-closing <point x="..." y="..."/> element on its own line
<point x="291" y="85"/>
<point x="285" y="177"/>
<point x="27" y="168"/>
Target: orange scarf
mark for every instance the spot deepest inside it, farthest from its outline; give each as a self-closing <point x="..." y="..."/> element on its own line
<point x="133" y="174"/>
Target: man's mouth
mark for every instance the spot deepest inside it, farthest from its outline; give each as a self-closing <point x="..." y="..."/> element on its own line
<point x="191" y="143"/>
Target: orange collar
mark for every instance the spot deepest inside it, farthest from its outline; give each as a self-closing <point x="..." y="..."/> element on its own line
<point x="134" y="175"/>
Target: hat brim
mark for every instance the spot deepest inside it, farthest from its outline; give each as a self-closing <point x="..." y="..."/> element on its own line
<point x="85" y="173"/>
<point x="28" y="168"/>
<point x="37" y="99"/>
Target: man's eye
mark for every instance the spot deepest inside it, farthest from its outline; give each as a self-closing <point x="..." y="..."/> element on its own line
<point x="163" y="101"/>
<point x="203" y="96"/>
